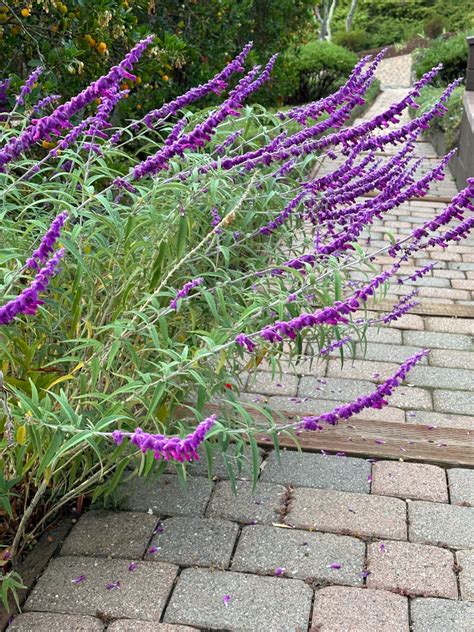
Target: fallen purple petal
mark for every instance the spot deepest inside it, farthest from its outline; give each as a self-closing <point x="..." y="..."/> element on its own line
<point x="113" y="585"/>
<point x="226" y="599"/>
<point x="79" y="579"/>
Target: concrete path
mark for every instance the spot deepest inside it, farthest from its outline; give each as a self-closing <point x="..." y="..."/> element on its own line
<point x="329" y="543"/>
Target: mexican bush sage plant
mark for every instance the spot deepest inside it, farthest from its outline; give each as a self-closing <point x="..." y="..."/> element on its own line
<point x="170" y="256"/>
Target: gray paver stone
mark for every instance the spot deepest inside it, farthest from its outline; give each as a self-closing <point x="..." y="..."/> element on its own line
<point x="195" y="542"/>
<point x="334" y="389"/>
<point x="303" y="555"/>
<point x="263" y="504"/>
<point x="437" y="377"/>
<point x="256" y="603"/>
<point x="127" y="625"/>
<point x="263" y="382"/>
<point x="341" y="609"/>
<point x="450" y="325"/>
<point x="461" y="486"/>
<point x="110" y="534"/>
<point x="50" y="622"/>
<point x="465" y="561"/>
<point x="411" y="569"/>
<point x="219" y="469"/>
<point x="435" y="340"/>
<point x="354" y="514"/>
<point x="446" y="358"/>
<point x="457" y="402"/>
<point x="165" y="496"/>
<point x="56" y="591"/>
<point x="440" y="524"/>
<point x="441" y="615"/>
<point x="409" y="480"/>
<point x="303" y="469"/>
<point x="389" y="353"/>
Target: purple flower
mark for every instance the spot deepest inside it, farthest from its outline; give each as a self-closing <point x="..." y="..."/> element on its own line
<point x="46" y="102"/>
<point x="79" y="579"/>
<point x="226" y="599"/>
<point x="132" y="566"/>
<point x="28" y="85"/>
<point x="153" y="549"/>
<point x="335" y="565"/>
<point x="376" y="399"/>
<point x="60" y="119"/>
<point x="184" y="291"/>
<point x="279" y="571"/>
<point x="382" y="547"/>
<point x="245" y="341"/>
<point x="46" y="246"/>
<point x="28" y="301"/>
<point x="171" y="448"/>
<point x="217" y="84"/>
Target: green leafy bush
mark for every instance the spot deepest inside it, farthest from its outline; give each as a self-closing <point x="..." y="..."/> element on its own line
<point x="450" y="123"/>
<point x="452" y="53"/>
<point x="355" y="40"/>
<point x="321" y="67"/>
<point x="76" y="41"/>
<point x="434" y="26"/>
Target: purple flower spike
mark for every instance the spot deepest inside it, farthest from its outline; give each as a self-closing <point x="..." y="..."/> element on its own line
<point x="28" y="85"/>
<point x="79" y="579"/>
<point x="184" y="291"/>
<point x="46" y="247"/>
<point x="170" y="448"/>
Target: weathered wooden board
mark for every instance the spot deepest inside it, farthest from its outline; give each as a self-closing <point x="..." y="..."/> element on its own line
<point x="360" y="437"/>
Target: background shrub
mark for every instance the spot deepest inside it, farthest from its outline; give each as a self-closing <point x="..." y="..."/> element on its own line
<point x="355" y="40"/>
<point x="434" y="26"/>
<point x="321" y="67"/>
<point x="452" y="53"/>
<point x="76" y="40"/>
<point x="450" y="123"/>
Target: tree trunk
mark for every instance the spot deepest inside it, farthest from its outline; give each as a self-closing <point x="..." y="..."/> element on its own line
<point x="324" y="13"/>
<point x="350" y="15"/>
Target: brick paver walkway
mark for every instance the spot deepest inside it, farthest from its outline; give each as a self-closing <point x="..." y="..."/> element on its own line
<point x="329" y="543"/>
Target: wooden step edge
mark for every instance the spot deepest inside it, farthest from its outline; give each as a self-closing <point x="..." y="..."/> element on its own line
<point x="367" y="438"/>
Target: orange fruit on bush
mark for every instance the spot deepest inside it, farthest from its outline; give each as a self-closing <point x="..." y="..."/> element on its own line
<point x="102" y="47"/>
<point x="25" y="13"/>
